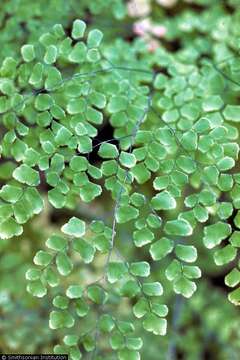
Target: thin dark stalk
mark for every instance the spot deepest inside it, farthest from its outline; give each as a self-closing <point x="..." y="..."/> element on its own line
<point x="172" y="348"/>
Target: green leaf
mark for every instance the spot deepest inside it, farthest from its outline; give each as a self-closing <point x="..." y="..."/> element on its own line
<point x="225" y="210"/>
<point x="81" y="308"/>
<point x="36" y="75"/>
<point x="97" y="99"/>
<point x="60" y="319"/>
<point x="161" y="248"/>
<point x="22" y="211"/>
<point x="56" y="242"/>
<point x="178" y="228"/>
<point x="94" y="38"/>
<point x="71" y="340"/>
<point x="115" y="271"/>
<point x="93" y="55"/>
<point x="56" y="111"/>
<point x="53" y="81"/>
<point x="163" y="201"/>
<point x="43" y="102"/>
<point x="143" y="237"/>
<point x="76" y="106"/>
<point x="59" y="349"/>
<point x="202" y="125"/>
<point x="141" y="268"/>
<point x="140" y="173"/>
<point x="117" y="341"/>
<point x="137" y="199"/>
<point x="86" y="250"/>
<point x="96" y="294"/>
<point x="154" y="324"/>
<point x="42" y="258"/>
<point x="191" y="200"/>
<point x="11" y="193"/>
<point x="235" y="238"/>
<point x="75" y="353"/>
<point x="118" y="119"/>
<point x="225" y="182"/>
<point x="237" y="219"/>
<point x="127" y="159"/>
<point x="78" y="29"/>
<point x="10" y="228"/>
<point x="153" y="289"/>
<point x="130" y="289"/>
<point x="211" y="174"/>
<point x="173" y="270"/>
<point x="161" y="182"/>
<point x="31" y="157"/>
<point x="36" y="288"/>
<point x="94" y="172"/>
<point x="200" y="213"/>
<point x="184" y="287"/>
<point x="233" y="278"/>
<point x="234" y="297"/>
<point x="6" y="211"/>
<point x="170" y="116"/>
<point x="134" y="343"/>
<point x="102" y="243"/>
<point x="97" y="226"/>
<point x="61" y="302"/>
<point x="186" y="164"/>
<point x="225" y="255"/>
<point x="44" y="119"/>
<point x="74" y="292"/>
<point x="215" y="233"/>
<point x="51" y="277"/>
<point x="58" y="31"/>
<point x="26" y="175"/>
<point x="226" y="163"/>
<point x="78" y="163"/>
<point x="212" y="103"/>
<point x="159" y="309"/>
<point x="90" y="191"/>
<point x="189" y="140"/>
<point x="106" y="323"/>
<point x="56" y="198"/>
<point x="191" y="272"/>
<point x="51" y="54"/>
<point x="126" y="213"/>
<point x="6" y="170"/>
<point x="144" y="137"/>
<point x="78" y="53"/>
<point x="63" y="136"/>
<point x="108" y="151"/>
<point x="74" y="227"/>
<point x="207" y="197"/>
<point x="186" y="253"/>
<point x="28" y="52"/>
<point x="190" y="111"/>
<point x="154" y="221"/>
<point x="33" y="274"/>
<point x="126" y="354"/>
<point x="141" y="308"/>
<point x="64" y="264"/>
<point x="94" y="116"/>
<point x="231" y="113"/>
<point x="160" y="81"/>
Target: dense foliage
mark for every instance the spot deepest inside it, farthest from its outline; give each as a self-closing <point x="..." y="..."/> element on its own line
<point x="120" y="183"/>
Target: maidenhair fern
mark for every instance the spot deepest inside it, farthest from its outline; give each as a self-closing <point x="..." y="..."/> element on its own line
<point x="173" y="129"/>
